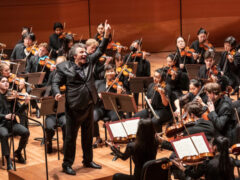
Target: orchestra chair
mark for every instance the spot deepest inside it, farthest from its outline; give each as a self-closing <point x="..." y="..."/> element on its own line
<point x="105" y="120"/>
<point x="156" y="169"/>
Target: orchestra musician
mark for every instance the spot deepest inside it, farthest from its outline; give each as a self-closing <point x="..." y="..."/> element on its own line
<point x="143" y="149"/>
<point x="20" y="50"/>
<point x="68" y="42"/>
<point x="55" y="42"/>
<point x="100" y="33"/>
<point x="8" y="114"/>
<point x="159" y="95"/>
<point x="51" y="122"/>
<point x="25" y="30"/>
<point x="81" y="96"/>
<point x="228" y="64"/>
<point x="99" y="111"/>
<point x="198" y="46"/>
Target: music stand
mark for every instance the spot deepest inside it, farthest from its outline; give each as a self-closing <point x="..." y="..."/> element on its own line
<point x="140" y="85"/>
<point x="133" y="66"/>
<point x="192" y="70"/>
<point x="119" y="102"/>
<point x="22" y="65"/>
<point x="60" y="109"/>
<point x="47" y="108"/>
<point x="34" y="78"/>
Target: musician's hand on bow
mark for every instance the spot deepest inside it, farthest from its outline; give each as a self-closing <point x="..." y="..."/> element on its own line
<point x="181" y="66"/>
<point x="210" y="106"/>
<point x="10" y="116"/>
<point x="200" y="101"/>
<point x="100" y="95"/>
<point x="179" y="164"/>
<point x="58" y="97"/>
<point x="230" y="58"/>
<point x="177" y="113"/>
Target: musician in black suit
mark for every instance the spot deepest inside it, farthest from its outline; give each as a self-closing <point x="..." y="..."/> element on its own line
<point x="6" y="116"/>
<point x="81" y="96"/>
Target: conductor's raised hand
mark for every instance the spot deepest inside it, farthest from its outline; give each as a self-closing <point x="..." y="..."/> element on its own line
<point x="107" y="29"/>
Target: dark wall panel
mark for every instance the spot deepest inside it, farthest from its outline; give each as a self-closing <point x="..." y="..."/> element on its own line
<point x="41" y="15"/>
<point x="157" y="22"/>
<point x="221" y="18"/>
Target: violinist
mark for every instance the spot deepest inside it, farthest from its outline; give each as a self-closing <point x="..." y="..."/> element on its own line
<point x="99" y="110"/>
<point x="220" y="110"/>
<point x="143" y="65"/>
<point x="55" y="42"/>
<point x="143" y="149"/>
<point x="210" y="72"/>
<point x="100" y="33"/>
<point x="199" y="46"/>
<point x="157" y="93"/>
<point x="20" y="50"/>
<point x="68" y="42"/>
<point x="184" y="54"/>
<point x="6" y="116"/>
<point x="228" y="64"/>
<point x="195" y="92"/>
<point x="50" y="121"/>
<point x="174" y="76"/>
<point x="25" y="30"/>
<point x="221" y="167"/>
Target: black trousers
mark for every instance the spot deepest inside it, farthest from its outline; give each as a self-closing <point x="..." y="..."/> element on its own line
<point x="164" y="116"/>
<point x="18" y="130"/>
<point x="51" y="123"/>
<point x="98" y="114"/>
<point x="75" y="119"/>
<point x="120" y="176"/>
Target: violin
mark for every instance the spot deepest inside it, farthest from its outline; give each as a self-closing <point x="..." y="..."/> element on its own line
<point x="45" y="61"/>
<point x="7" y="62"/>
<point x="32" y="49"/>
<point x="212" y="71"/>
<point x="104" y="57"/>
<point x="62" y="88"/>
<point x="187" y="52"/>
<point x="12" y="94"/>
<point x="174" y="129"/>
<point x="64" y="34"/>
<point x="16" y="80"/>
<point x="99" y="37"/>
<point x="206" y="45"/>
<point x="172" y="70"/>
<point x="114" y="45"/>
<point x="125" y="70"/>
<point x="115" y="84"/>
<point x="161" y="85"/>
<point x="2" y="55"/>
<point x="140" y="54"/>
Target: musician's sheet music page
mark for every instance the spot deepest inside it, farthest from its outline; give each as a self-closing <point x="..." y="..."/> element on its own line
<point x="184" y="147"/>
<point x="200" y="144"/>
<point x="131" y="126"/>
<point x="117" y="130"/>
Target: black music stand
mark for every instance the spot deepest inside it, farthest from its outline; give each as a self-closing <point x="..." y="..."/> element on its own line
<point x="119" y="102"/>
<point x="192" y="70"/>
<point x="34" y="78"/>
<point x="47" y="108"/>
<point x="21" y="63"/>
<point x="140" y="85"/>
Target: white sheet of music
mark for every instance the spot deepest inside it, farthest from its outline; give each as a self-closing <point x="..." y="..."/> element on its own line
<point x="131" y="126"/>
<point x="118" y="130"/>
<point x="185" y="147"/>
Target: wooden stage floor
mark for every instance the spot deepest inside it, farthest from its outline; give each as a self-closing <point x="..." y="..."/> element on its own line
<point x="35" y="169"/>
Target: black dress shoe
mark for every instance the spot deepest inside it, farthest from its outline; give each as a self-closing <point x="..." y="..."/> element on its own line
<point x="20" y="158"/>
<point x="92" y="165"/>
<point x="49" y="148"/>
<point x="97" y="143"/>
<point x="37" y="113"/>
<point x="9" y="164"/>
<point x="69" y="170"/>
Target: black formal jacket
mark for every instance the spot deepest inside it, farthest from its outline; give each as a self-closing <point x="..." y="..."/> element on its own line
<point x="55" y="43"/>
<point x="79" y="81"/>
<point x="199" y="50"/>
<point x="210" y="169"/>
<point x="6" y="107"/>
<point x="18" y="52"/>
<point x="222" y="117"/>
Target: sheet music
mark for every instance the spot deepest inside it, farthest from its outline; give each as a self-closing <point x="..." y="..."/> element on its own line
<point x="117" y="130"/>
<point x="131" y="126"/>
<point x="185" y="147"/>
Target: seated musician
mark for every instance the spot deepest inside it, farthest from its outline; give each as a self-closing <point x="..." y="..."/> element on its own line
<point x="184" y="55"/>
<point x="158" y="94"/>
<point x="68" y="42"/>
<point x="99" y="110"/>
<point x="143" y="149"/>
<point x="228" y="64"/>
<point x="25" y="30"/>
<point x="8" y="114"/>
<point x="20" y="50"/>
<point x="220" y="110"/>
<point x="195" y="92"/>
<point x="199" y="46"/>
<point x="50" y="122"/>
<point x="221" y="167"/>
<point x="143" y="65"/>
<point x="174" y="76"/>
<point x="56" y="40"/>
<point x="210" y="72"/>
<point x="100" y="33"/>
<point x="34" y="65"/>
